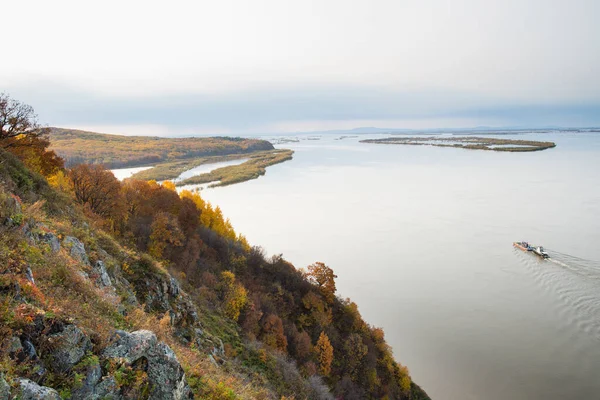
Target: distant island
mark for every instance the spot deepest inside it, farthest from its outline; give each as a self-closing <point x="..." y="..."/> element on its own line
<point x="472" y="143"/>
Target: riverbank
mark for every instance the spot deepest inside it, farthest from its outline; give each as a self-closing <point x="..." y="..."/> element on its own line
<point x="472" y="143"/>
<point x="251" y="169"/>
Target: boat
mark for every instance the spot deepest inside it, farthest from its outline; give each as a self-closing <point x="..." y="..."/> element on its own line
<point x="537" y="250"/>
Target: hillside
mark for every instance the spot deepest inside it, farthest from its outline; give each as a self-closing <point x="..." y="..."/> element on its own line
<point x="118" y="151"/>
<point x="150" y="295"/>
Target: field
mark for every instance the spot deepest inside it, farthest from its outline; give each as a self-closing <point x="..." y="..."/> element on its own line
<point x="472" y="143"/>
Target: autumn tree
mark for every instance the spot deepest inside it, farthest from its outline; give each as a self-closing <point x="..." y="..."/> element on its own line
<point x="321" y="275"/>
<point x="355" y="352"/>
<point x="273" y="334"/>
<point x="17" y="120"/>
<point x="96" y="188"/>
<point x="324" y="352"/>
<point x="302" y="345"/>
<point x="22" y="135"/>
<point x="235" y="296"/>
<point x="165" y="232"/>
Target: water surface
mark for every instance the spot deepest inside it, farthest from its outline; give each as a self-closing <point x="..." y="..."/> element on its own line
<point x="421" y="238"/>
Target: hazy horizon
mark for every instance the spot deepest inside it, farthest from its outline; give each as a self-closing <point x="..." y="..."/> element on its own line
<point x="233" y="67"/>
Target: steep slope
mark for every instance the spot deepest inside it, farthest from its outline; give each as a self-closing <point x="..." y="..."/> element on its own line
<point x="86" y="313"/>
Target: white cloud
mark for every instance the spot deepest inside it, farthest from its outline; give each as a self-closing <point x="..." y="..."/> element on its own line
<point x="533" y="51"/>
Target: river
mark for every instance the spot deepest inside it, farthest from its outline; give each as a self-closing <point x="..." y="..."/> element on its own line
<point x="421" y="239"/>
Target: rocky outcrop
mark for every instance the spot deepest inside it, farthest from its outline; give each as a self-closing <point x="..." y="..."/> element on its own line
<point x="103" y="279"/>
<point x="52" y="241"/>
<point x="95" y="387"/>
<point x="77" y="249"/>
<point x="29" y="390"/>
<point x="69" y="346"/>
<point x="165" y="374"/>
<point x="4" y="387"/>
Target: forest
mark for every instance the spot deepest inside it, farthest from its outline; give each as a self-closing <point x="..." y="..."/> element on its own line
<point x="118" y="151"/>
<point x="83" y="252"/>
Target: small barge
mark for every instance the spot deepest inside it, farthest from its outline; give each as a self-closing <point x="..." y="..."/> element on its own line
<point x="537" y="250"/>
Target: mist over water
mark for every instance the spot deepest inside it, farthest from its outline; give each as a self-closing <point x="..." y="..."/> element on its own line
<point x="421" y="239"/>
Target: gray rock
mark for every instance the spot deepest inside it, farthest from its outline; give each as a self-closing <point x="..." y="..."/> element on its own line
<point x="77" y="249"/>
<point x="70" y="346"/>
<point x="29" y="390"/>
<point x="108" y="389"/>
<point x="29" y="275"/>
<point x="174" y="287"/>
<point x="52" y="241"/>
<point x="13" y="206"/>
<point x="4" y="387"/>
<point x="88" y="387"/>
<point x="103" y="279"/>
<point x="165" y="374"/>
<point x="14" y="345"/>
<point x="29" y="350"/>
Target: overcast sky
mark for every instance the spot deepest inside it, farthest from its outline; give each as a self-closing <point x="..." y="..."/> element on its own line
<point x="216" y="67"/>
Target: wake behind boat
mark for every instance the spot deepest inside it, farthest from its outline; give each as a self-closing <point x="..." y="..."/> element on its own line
<point x="537" y="250"/>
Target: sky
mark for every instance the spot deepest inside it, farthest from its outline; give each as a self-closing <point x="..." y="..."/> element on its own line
<point x="275" y="66"/>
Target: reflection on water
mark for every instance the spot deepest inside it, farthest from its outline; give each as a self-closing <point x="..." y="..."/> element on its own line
<point x="421" y="238"/>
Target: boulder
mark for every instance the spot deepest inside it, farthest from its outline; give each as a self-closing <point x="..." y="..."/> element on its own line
<point x="29" y="275"/>
<point x="93" y="374"/>
<point x="174" y="287"/>
<point x="103" y="279"/>
<point x="69" y="346"/>
<point x="108" y="389"/>
<point x="51" y="239"/>
<point x="77" y="249"/>
<point x="165" y="374"/>
<point x="29" y="390"/>
<point x="4" y="387"/>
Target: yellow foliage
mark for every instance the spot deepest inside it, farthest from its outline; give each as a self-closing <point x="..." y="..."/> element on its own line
<point x="235" y="295"/>
<point x="60" y="181"/>
<point x="213" y="218"/>
<point x="324" y="351"/>
<point x="169" y="185"/>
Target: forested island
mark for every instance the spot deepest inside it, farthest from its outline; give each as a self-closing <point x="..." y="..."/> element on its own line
<point x="131" y="290"/>
<point x="468" y="142"/>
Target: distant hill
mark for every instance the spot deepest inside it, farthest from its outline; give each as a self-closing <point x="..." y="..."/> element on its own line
<point x="118" y="151"/>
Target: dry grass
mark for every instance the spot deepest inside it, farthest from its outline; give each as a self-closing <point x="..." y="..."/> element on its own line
<point x="251" y="169"/>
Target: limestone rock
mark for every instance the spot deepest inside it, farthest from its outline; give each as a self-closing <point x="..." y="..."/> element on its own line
<point x="108" y="389"/>
<point x="103" y="279"/>
<point x="77" y="249"/>
<point x="4" y="387"/>
<point x="29" y="390"/>
<point x="174" y="287"/>
<point x="88" y="386"/>
<point x="52" y="241"/>
<point x="165" y="374"/>
<point x="70" y="346"/>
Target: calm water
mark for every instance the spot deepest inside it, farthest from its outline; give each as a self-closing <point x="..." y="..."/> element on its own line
<point x="421" y="238"/>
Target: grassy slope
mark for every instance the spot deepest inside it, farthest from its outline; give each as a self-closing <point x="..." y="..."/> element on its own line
<point x="116" y="151"/>
<point x="247" y="370"/>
